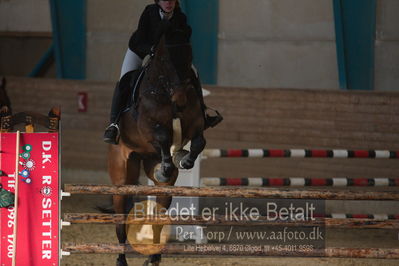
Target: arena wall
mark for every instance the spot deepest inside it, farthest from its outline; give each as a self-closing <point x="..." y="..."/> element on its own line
<point x="262" y="43"/>
<point x="254" y="118"/>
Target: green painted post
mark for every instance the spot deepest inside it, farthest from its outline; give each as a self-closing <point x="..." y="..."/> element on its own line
<point x="203" y="17"/>
<point x="68" y="19"/>
<point x="355" y="26"/>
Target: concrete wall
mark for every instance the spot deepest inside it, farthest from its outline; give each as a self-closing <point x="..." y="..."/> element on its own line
<point x="277" y="43"/>
<point x="387" y="46"/>
<point x="262" y="43"/>
<point x="109" y="26"/>
<point x="25" y="27"/>
<point x="19" y="55"/>
<point x="25" y="15"/>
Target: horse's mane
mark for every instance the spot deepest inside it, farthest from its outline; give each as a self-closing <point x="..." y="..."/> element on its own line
<point x="169" y="68"/>
<point x="180" y="51"/>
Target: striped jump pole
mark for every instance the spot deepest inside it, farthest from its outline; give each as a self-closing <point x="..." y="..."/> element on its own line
<point x="300" y="182"/>
<point x="225" y="250"/>
<point x="299" y="153"/>
<point x="230" y="192"/>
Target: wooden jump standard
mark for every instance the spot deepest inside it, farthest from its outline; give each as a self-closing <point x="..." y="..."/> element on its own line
<point x="220" y="249"/>
<point x="98" y="218"/>
<point x="231" y="192"/>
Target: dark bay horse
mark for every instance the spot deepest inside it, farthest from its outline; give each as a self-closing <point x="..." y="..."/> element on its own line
<point x="147" y="134"/>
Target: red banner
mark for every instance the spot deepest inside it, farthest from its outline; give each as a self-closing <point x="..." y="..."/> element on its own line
<point x="38" y="199"/>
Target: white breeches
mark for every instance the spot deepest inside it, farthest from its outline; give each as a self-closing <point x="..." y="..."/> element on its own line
<point x="131" y="62"/>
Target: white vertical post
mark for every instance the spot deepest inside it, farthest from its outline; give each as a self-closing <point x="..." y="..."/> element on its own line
<point x="14" y="254"/>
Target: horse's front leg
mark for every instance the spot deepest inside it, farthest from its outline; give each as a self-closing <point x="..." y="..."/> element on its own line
<point x="197" y="146"/>
<point x="163" y="202"/>
<point x="167" y="169"/>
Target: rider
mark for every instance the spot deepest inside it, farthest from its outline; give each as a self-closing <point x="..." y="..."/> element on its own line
<point x="155" y="19"/>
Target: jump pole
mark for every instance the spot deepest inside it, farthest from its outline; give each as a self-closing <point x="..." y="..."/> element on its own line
<point x="299" y="153"/>
<point x="299" y="182"/>
<point x="231" y="192"/>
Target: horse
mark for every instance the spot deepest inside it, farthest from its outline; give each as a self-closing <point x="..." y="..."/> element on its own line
<point x="165" y="95"/>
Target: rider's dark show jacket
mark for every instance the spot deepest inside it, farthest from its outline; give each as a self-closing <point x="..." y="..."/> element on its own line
<point x="151" y="27"/>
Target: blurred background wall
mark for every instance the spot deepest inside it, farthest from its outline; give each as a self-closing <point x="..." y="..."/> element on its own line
<point x="260" y="43"/>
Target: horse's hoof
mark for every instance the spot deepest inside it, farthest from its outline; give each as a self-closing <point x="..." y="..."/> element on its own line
<point x="182" y="160"/>
<point x="121" y="262"/>
<point x="153" y="260"/>
<point x="161" y="178"/>
<point x="168" y="169"/>
<point x="149" y="263"/>
<point x="186" y="162"/>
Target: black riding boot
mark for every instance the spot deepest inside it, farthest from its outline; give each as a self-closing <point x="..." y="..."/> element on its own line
<point x="210" y="121"/>
<point x="112" y="131"/>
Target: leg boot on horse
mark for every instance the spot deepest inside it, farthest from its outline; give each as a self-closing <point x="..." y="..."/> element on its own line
<point x="186" y="160"/>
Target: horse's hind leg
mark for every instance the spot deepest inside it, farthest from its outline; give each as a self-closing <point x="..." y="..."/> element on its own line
<point x="117" y="167"/>
<point x="197" y="146"/>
